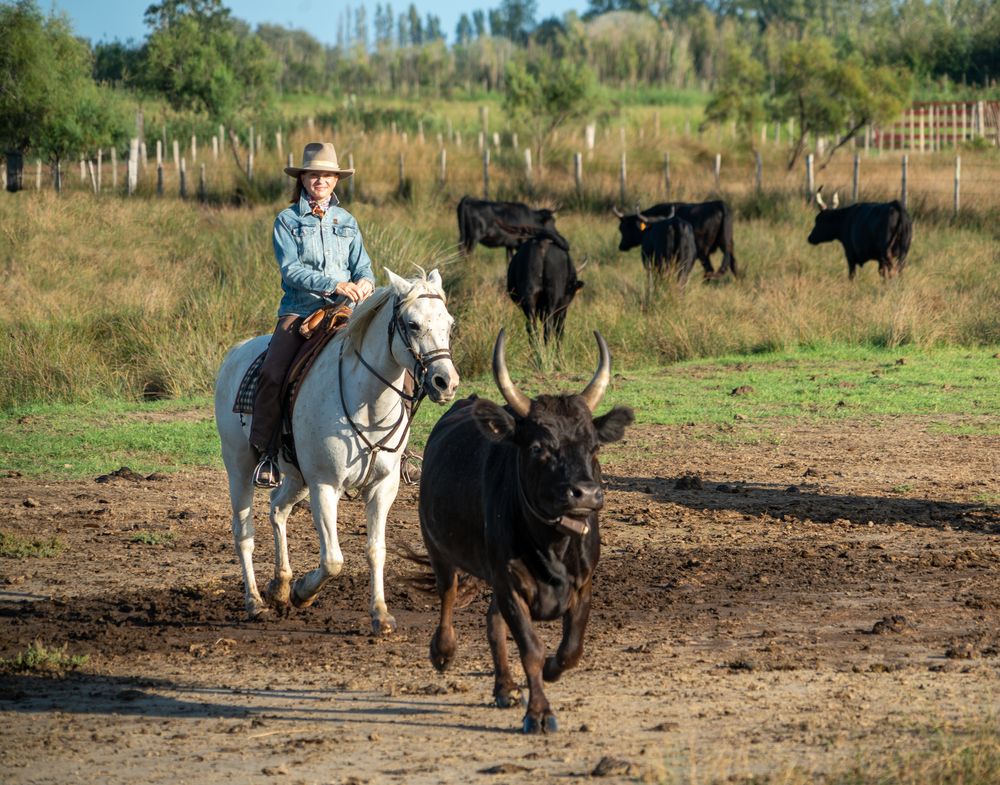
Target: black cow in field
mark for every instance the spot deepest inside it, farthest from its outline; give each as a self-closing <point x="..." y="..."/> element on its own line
<point x="511" y="495"/>
<point x="498" y="224"/>
<point x="868" y="230"/>
<point x="667" y="242"/>
<point x="712" y="223"/>
<point x="541" y="279"/>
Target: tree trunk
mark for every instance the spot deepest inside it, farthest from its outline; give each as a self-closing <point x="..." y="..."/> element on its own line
<point x="15" y="170"/>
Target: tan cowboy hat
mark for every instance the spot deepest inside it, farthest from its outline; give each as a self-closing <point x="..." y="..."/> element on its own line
<point x="319" y="157"/>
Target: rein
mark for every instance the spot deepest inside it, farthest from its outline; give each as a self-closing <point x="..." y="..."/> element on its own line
<point x="396" y="325"/>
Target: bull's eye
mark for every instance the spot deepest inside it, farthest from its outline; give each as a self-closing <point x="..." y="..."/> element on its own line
<point x="538" y="451"/>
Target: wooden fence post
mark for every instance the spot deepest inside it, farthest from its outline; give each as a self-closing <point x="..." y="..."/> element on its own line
<point x="622" y="177"/>
<point x="58" y="176"/>
<point x="810" y="182"/>
<point x="250" y="159"/>
<point x="905" y="167"/>
<point x="486" y="171"/>
<point x="759" y="172"/>
<point x="202" y="185"/>
<point x="114" y="168"/>
<point x="183" y="179"/>
<point x="38" y="174"/>
<point x="444" y="166"/>
<point x="93" y="178"/>
<point x="159" y="179"/>
<point x="402" y="174"/>
<point x="578" y="172"/>
<point x="527" y="163"/>
<point x="513" y="141"/>
<point x="958" y="184"/>
<point x="277" y="143"/>
<point x="133" y="166"/>
<point x="856" y="178"/>
<point x="718" y="171"/>
<point x="177" y="155"/>
<point x="83" y="169"/>
<point x="143" y="157"/>
<point x="666" y="173"/>
<point x="100" y="167"/>
<point x="194" y="148"/>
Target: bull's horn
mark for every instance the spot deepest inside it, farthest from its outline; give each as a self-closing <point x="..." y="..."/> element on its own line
<point x="518" y="401"/>
<point x="594" y="391"/>
<point x="618" y="213"/>
<point x="836" y="200"/>
<point x="642" y="218"/>
<point x="819" y="199"/>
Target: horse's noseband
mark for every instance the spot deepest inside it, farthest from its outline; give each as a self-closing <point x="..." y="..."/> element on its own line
<point x="421" y="361"/>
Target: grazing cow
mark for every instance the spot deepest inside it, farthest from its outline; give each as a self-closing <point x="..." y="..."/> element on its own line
<point x="498" y="224"/>
<point x="511" y="495"/>
<point x="541" y="278"/>
<point x="712" y="223"/>
<point x="867" y="230"/>
<point x="667" y="241"/>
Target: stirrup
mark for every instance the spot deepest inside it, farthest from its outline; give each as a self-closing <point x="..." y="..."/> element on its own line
<point x="408" y="472"/>
<point x="266" y="474"/>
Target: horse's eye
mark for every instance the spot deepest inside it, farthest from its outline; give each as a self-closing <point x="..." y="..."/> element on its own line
<point x="414" y="326"/>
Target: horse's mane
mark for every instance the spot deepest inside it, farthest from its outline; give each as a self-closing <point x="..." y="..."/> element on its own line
<point x="365" y="313"/>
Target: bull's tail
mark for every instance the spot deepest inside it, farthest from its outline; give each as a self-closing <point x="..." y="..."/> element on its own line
<point x="728" y="257"/>
<point x="902" y="234"/>
<point x="465" y="241"/>
<point x="423" y="581"/>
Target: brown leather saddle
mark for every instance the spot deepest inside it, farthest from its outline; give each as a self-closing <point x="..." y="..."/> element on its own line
<point x="319" y="328"/>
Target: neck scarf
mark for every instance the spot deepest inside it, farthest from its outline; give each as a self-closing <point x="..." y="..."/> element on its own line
<point x="319" y="208"/>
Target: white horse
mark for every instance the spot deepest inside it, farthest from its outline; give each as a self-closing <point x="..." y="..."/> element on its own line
<point x="350" y="429"/>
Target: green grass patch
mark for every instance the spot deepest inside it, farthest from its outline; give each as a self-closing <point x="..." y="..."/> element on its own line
<point x="152" y="538"/>
<point x="14" y="547"/>
<point x="733" y="397"/>
<point x="39" y="659"/>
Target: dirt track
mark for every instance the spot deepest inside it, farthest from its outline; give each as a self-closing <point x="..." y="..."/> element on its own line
<point x="827" y="592"/>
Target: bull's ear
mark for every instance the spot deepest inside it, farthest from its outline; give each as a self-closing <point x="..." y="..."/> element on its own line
<point x="611" y="426"/>
<point x="495" y="423"/>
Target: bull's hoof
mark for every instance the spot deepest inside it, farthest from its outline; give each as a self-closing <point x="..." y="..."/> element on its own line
<point x="441" y="656"/>
<point x="507" y="697"/>
<point x="383" y="625"/>
<point x="544" y="724"/>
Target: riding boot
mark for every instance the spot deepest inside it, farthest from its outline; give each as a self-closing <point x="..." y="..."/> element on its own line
<point x="409" y="468"/>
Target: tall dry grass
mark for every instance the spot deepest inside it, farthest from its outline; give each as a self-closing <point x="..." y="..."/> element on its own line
<point x="142" y="296"/>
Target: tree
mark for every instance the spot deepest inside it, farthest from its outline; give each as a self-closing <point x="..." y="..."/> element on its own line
<point x="201" y="60"/>
<point x="740" y="93"/>
<point x="463" y="30"/>
<point x="829" y="94"/>
<point x="49" y="104"/>
<point x="545" y="93"/>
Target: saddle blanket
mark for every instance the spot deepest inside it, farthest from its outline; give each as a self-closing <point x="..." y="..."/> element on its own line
<point x="248" y="387"/>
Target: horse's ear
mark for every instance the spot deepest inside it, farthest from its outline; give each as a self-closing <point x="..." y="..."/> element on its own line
<point x="401" y="285"/>
<point x="434" y="279"/>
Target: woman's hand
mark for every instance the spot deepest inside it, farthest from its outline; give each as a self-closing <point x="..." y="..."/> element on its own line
<point x="355" y="292"/>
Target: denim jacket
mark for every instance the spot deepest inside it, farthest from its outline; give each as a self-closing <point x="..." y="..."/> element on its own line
<point x="315" y="255"/>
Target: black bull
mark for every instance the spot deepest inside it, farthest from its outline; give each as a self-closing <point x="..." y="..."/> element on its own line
<point x="541" y="279"/>
<point x="498" y="224"/>
<point x="712" y="223"/>
<point x="668" y="242"/>
<point x="868" y="230"/>
<point x="511" y="495"/>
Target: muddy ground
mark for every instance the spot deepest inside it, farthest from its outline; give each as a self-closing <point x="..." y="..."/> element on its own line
<point x="810" y="595"/>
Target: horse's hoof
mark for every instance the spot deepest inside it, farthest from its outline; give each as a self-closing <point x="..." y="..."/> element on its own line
<point x="508" y="697"/>
<point x="256" y="610"/>
<point x="278" y="593"/>
<point x="385" y="625"/>
<point x="300" y="602"/>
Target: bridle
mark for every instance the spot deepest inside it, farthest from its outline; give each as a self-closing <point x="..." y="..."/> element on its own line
<point x="397" y="326"/>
